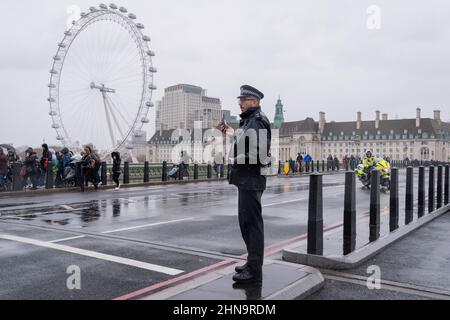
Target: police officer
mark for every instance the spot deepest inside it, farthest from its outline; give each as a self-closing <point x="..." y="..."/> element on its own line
<point x="251" y="153"/>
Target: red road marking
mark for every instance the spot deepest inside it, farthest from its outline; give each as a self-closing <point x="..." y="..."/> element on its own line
<point x="168" y="282"/>
<point x="267" y="251"/>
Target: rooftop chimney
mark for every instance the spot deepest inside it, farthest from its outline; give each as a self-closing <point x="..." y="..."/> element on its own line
<point x="322" y="122"/>
<point x="437" y="115"/>
<point x="418" y="111"/>
<point x="377" y="120"/>
<point x="359" y="121"/>
<point x="385" y="117"/>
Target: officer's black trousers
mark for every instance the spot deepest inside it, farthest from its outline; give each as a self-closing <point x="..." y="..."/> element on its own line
<point x="252" y="228"/>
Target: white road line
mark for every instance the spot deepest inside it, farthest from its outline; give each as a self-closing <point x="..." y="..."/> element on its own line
<point x="67" y="239"/>
<point x="37" y="214"/>
<point x="66" y="207"/>
<point x="284" y="202"/>
<point x="127" y="200"/>
<point x="95" y="255"/>
<point x="147" y="226"/>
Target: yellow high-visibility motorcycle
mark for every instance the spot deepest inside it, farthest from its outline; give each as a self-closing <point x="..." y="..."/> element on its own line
<point x="365" y="175"/>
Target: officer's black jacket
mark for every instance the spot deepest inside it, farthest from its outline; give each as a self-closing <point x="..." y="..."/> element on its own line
<point x="254" y="135"/>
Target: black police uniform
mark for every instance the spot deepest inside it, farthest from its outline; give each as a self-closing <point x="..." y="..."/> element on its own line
<point x="246" y="175"/>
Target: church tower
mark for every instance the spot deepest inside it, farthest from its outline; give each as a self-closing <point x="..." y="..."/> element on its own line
<point x="279" y="114"/>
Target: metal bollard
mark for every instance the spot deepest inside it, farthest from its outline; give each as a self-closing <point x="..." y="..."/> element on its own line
<point x="209" y="171"/>
<point x="222" y="170"/>
<point x="49" y="182"/>
<point x="196" y="171"/>
<point x="164" y="171"/>
<point x="126" y="173"/>
<point x="312" y="166"/>
<point x="318" y="166"/>
<point x="446" y="184"/>
<point x="439" y="188"/>
<point x="16" y="178"/>
<point x="104" y="174"/>
<point x="421" y="194"/>
<point x="409" y="197"/>
<point x="394" y="204"/>
<point x="350" y="213"/>
<point x="323" y="165"/>
<point x="146" y="172"/>
<point x="80" y="176"/>
<point x="229" y="172"/>
<point x="431" y="190"/>
<point x="315" y="216"/>
<point x="375" y="206"/>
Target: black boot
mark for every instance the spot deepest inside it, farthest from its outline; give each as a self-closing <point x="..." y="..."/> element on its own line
<point x="247" y="277"/>
<point x="240" y="269"/>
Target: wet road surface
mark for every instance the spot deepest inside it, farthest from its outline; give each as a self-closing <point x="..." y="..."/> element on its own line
<point x="135" y="242"/>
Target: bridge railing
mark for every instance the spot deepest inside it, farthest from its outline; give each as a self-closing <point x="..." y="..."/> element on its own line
<point x="438" y="197"/>
<point x="130" y="174"/>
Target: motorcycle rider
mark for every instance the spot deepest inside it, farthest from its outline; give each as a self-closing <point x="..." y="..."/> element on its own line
<point x="369" y="163"/>
<point x="369" y="160"/>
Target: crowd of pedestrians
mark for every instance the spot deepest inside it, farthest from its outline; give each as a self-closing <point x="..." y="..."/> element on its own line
<point x="35" y="169"/>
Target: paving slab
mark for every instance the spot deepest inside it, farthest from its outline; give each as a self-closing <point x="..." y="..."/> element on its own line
<point x="282" y="281"/>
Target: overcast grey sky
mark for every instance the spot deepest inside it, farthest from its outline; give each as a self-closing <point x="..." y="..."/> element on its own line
<point x="318" y="55"/>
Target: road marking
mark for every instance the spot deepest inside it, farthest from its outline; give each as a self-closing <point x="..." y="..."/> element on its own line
<point x="95" y="255"/>
<point x="127" y="200"/>
<point x="147" y="226"/>
<point x="67" y="239"/>
<point x="67" y="207"/>
<point x="143" y="291"/>
<point x="37" y="214"/>
<point x="284" y="202"/>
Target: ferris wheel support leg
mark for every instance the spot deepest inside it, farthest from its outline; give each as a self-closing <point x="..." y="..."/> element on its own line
<point x="108" y="119"/>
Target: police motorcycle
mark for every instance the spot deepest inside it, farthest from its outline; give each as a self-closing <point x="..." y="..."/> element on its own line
<point x="365" y="175"/>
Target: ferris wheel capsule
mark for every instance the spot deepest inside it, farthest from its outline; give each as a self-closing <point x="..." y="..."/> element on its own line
<point x="53" y="71"/>
<point x="145" y="120"/>
<point x="52" y="113"/>
<point x="150" y="53"/>
<point x="140" y="26"/>
<point x="55" y="126"/>
<point x="152" y="87"/>
<point x="83" y="14"/>
<point x="51" y="100"/>
<point x="57" y="58"/>
<point x="123" y="10"/>
<point x="150" y="104"/>
<point x="146" y="38"/>
<point x="52" y="85"/>
<point x="62" y="45"/>
<point x="93" y="9"/>
<point x="103" y="6"/>
<point x="68" y="33"/>
<point x="153" y="70"/>
<point x="132" y="16"/>
<point x="113" y="6"/>
<point x="60" y="138"/>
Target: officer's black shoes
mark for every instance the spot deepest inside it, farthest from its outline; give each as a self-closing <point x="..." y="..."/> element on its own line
<point x="240" y="269"/>
<point x="246" y="277"/>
